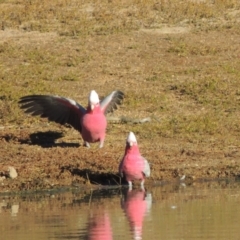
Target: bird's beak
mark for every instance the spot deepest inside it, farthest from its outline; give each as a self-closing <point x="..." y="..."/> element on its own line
<point x="92" y="106"/>
<point x="130" y="143"/>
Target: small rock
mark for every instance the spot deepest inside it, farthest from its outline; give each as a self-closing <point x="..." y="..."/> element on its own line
<point x="2" y="178"/>
<point x="183" y="177"/>
<point x="12" y="172"/>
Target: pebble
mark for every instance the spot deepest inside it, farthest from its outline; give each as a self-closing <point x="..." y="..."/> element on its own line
<point x="2" y="178"/>
<point x="12" y="172"/>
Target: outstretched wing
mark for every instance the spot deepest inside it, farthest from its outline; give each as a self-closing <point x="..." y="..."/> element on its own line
<point x="57" y="109"/>
<point x="110" y="102"/>
<point x="146" y="169"/>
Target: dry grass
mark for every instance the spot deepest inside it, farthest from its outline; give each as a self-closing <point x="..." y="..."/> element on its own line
<point x="189" y="81"/>
<point x="177" y="62"/>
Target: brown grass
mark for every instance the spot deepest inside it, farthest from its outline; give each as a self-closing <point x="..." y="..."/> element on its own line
<point x="177" y="62"/>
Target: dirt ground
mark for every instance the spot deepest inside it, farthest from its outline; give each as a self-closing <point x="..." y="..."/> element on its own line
<point x="45" y="159"/>
<point x="183" y="75"/>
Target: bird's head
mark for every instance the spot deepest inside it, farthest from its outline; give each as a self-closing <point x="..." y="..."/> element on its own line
<point x="93" y="100"/>
<point x="131" y="139"/>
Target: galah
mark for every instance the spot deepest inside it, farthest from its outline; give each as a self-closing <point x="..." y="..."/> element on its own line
<point x="133" y="166"/>
<point x="90" y="122"/>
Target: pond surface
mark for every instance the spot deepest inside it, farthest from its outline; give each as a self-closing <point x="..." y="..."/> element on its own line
<point x="209" y="210"/>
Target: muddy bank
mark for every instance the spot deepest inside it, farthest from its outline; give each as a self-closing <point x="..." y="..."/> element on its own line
<point x="49" y="158"/>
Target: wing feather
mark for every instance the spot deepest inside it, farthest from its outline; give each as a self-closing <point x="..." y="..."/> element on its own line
<point x="110" y="102"/>
<point x="57" y="109"/>
<point x="146" y="170"/>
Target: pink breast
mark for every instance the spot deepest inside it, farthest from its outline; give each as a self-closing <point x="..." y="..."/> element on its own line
<point x="93" y="126"/>
<point x="133" y="167"/>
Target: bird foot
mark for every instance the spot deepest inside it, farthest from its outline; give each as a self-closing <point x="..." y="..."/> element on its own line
<point x="101" y="144"/>
<point x="86" y="144"/>
<point x="142" y="186"/>
<point x="129" y="186"/>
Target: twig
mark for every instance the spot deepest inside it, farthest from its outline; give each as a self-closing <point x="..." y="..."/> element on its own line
<point x="88" y="178"/>
<point x="96" y="183"/>
<point x="115" y="179"/>
<point x="124" y="119"/>
<point x="7" y="126"/>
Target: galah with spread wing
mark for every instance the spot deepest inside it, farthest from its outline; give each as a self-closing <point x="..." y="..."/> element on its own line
<point x="133" y="166"/>
<point x="90" y="122"/>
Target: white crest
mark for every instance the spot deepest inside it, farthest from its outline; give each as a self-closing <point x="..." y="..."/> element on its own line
<point x="93" y="97"/>
<point x="131" y="138"/>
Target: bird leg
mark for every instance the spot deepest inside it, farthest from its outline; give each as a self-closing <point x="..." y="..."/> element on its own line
<point x="101" y="143"/>
<point x="130" y="185"/>
<point x="142" y="185"/>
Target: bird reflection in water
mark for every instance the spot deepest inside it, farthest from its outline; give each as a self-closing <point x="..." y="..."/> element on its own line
<point x="136" y="204"/>
<point x="99" y="226"/>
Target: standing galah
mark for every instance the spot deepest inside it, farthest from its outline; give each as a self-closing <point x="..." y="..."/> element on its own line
<point x="136" y="204"/>
<point x="90" y="122"/>
<point x="133" y="165"/>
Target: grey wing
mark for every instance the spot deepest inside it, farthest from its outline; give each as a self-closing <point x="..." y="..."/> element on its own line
<point x="57" y="109"/>
<point x="110" y="102"/>
<point x="146" y="170"/>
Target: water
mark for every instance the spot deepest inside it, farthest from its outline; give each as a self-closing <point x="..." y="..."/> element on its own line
<point x="199" y="211"/>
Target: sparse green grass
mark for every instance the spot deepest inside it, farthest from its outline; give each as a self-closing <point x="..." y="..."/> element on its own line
<point x="187" y="81"/>
<point x="73" y="18"/>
